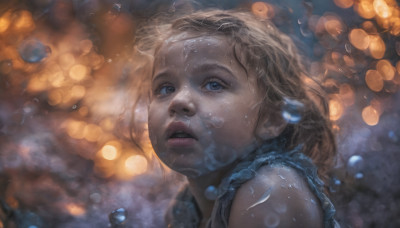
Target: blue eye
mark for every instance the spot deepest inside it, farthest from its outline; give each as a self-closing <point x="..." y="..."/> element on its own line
<point x="166" y="90"/>
<point x="214" y="86"/>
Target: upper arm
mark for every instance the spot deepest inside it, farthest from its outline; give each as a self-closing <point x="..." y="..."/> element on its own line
<point x="276" y="197"/>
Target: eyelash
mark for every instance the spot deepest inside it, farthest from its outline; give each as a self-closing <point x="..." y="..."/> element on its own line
<point x="159" y="91"/>
<point x="220" y="82"/>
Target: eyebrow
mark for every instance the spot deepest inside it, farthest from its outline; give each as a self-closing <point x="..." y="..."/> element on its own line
<point x="213" y="66"/>
<point x="202" y="67"/>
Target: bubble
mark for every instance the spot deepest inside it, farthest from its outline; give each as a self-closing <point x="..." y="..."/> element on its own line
<point x="291" y="110"/>
<point x="334" y="184"/>
<point x="32" y="51"/>
<point x="355" y="165"/>
<point x="211" y="192"/>
<point x="359" y="175"/>
<point x="272" y="220"/>
<point x="95" y="197"/>
<point x="118" y="217"/>
<point x="281" y="208"/>
<point x="392" y="136"/>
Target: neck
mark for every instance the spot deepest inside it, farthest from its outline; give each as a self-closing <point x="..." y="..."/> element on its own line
<point x="198" y="187"/>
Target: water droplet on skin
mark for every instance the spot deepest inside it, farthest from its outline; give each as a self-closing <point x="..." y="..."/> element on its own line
<point x="262" y="199"/>
<point x="291" y="110"/>
<point x="118" y="217"/>
<point x="272" y="220"/>
<point x="211" y="192"/>
<point x="33" y="51"/>
<point x="281" y="208"/>
<point x="217" y="122"/>
<point x="279" y="175"/>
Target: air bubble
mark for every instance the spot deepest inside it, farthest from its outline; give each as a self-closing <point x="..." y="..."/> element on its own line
<point x="211" y="192"/>
<point x="393" y="137"/>
<point x="33" y="51"/>
<point x="291" y="110"/>
<point x="118" y="217"/>
<point x="272" y="220"/>
<point x="355" y="165"/>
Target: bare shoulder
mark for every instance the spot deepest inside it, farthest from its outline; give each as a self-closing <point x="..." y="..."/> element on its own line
<point x="276" y="197"/>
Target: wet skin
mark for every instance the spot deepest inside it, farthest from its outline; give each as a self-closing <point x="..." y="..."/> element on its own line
<point x="204" y="106"/>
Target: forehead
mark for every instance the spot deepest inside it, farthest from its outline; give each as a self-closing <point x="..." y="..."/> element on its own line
<point x="188" y="45"/>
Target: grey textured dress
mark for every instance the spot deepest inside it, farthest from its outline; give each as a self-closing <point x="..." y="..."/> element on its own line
<point x="184" y="212"/>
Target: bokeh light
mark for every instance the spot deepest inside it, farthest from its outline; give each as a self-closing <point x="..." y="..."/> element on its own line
<point x="359" y="39"/>
<point x="262" y="10"/>
<point x="370" y="116"/>
<point x="374" y="80"/>
<point x="135" y="165"/>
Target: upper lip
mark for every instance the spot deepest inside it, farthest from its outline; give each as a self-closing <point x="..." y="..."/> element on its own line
<point x="179" y="127"/>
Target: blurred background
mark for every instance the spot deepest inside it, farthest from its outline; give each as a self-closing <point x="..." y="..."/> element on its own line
<point x="70" y="77"/>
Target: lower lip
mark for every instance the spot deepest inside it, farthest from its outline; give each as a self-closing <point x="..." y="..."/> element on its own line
<point x="181" y="142"/>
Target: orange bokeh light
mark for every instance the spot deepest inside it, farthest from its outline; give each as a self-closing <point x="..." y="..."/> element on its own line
<point x="382" y="9"/>
<point x="377" y="47"/>
<point x="374" y="80"/>
<point x="75" y="209"/>
<point x="359" y="39"/>
<point x="262" y="10"/>
<point x="344" y="3"/>
<point x="365" y="9"/>
<point x="5" y="22"/>
<point x="370" y="116"/>
<point x="346" y="94"/>
<point x="109" y="152"/>
<point x="25" y="21"/>
<point x="333" y="26"/>
<point x="78" y="72"/>
<point x="75" y="129"/>
<point x="92" y="132"/>
<point x="335" y="109"/>
<point x="135" y="165"/>
<point x="385" y="68"/>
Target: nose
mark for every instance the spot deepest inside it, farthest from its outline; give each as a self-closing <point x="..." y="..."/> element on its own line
<point x="182" y="104"/>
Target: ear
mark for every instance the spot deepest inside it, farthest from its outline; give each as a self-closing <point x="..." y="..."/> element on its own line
<point x="270" y="127"/>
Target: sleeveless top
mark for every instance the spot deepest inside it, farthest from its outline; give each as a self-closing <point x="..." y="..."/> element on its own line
<point x="184" y="212"/>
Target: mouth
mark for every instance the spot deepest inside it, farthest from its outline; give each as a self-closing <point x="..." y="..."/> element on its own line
<point x="179" y="130"/>
<point x="180" y="135"/>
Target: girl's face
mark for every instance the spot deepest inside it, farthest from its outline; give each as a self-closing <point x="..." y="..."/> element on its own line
<point x="204" y="107"/>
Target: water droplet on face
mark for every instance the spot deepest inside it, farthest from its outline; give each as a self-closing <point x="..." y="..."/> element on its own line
<point x="281" y="208"/>
<point x="32" y="51"/>
<point x="272" y="220"/>
<point x="118" y="217"/>
<point x="211" y="192"/>
<point x="291" y="110"/>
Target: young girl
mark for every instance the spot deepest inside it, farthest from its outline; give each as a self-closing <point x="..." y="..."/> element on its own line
<point x="231" y="111"/>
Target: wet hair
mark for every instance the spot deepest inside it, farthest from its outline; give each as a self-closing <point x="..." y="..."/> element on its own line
<point x="271" y="55"/>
